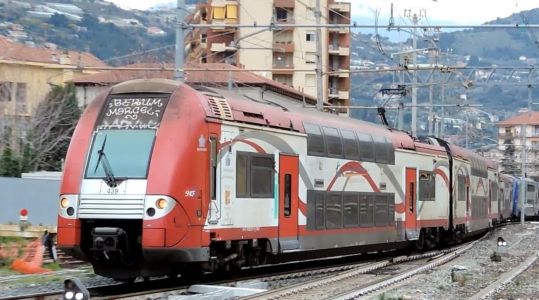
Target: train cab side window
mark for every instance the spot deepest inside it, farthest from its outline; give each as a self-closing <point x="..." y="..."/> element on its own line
<point x="254" y="175"/>
<point x="366" y="147"/>
<point x="315" y="140"/>
<point x="350" y="143"/>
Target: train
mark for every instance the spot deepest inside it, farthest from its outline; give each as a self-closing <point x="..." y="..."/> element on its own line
<point x="166" y="178"/>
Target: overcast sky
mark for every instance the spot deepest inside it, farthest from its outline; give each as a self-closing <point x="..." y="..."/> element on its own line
<point x="446" y="11"/>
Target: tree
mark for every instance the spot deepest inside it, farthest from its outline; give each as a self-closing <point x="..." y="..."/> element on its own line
<point x="51" y="128"/>
<point x="9" y="164"/>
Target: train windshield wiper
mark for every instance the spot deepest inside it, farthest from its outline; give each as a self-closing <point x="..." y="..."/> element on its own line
<point x="104" y="162"/>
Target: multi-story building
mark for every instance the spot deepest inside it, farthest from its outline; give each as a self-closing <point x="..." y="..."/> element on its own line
<point x="515" y="132"/>
<point x="26" y="76"/>
<point x="287" y="55"/>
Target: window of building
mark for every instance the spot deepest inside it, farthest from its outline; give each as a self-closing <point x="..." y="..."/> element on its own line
<point x="254" y="175"/>
<point x="309" y="14"/>
<point x="281" y="14"/>
<point x="310" y="36"/>
<point x="310" y="80"/>
<point x="218" y="12"/>
<point x="231" y="11"/>
<point x="203" y="38"/>
<point x="5" y="91"/>
<point x="310" y="58"/>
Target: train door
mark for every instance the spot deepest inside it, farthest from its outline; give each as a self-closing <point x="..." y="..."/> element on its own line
<point x="411" y="204"/>
<point x="288" y="201"/>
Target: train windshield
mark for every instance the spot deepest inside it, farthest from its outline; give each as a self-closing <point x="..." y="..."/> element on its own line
<point x="120" y="154"/>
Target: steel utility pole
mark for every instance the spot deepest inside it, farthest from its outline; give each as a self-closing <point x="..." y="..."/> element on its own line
<point x="319" y="79"/>
<point x="415" y="19"/>
<point x="523" y="171"/>
<point x="180" y="44"/>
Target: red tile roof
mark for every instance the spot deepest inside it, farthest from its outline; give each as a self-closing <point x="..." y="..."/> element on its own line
<point x="13" y="51"/>
<point x="208" y="74"/>
<point x="524" y="118"/>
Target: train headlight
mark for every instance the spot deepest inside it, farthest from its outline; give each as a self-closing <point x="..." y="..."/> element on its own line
<point x="75" y="290"/>
<point x="161" y="203"/>
<point x="64" y="202"/>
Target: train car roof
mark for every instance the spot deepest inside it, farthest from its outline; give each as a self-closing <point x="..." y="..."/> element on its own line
<point x="251" y="106"/>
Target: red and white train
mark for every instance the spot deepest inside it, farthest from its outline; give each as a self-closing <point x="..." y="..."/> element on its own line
<point x="165" y="178"/>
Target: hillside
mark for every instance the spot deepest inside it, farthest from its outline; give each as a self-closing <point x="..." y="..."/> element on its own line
<point x="85" y="25"/>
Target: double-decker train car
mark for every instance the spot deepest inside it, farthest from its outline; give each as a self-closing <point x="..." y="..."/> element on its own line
<point x="164" y="178"/>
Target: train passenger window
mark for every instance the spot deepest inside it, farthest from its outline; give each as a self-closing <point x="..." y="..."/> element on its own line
<point x="461" y="190"/>
<point x="262" y="176"/>
<point x="319" y="214"/>
<point x="366" y="210"/>
<point x="390" y="152"/>
<point x="254" y="175"/>
<point x="333" y="210"/>
<point x="213" y="167"/>
<point x="350" y="209"/>
<point x="242" y="176"/>
<point x="381" y="149"/>
<point x="351" y="149"/>
<point x="333" y="142"/>
<point x="494" y="191"/>
<point x="315" y="140"/>
<point x="287" y="194"/>
<point x="380" y="210"/>
<point x="530" y="188"/>
<point x="427" y="186"/>
<point x="366" y="147"/>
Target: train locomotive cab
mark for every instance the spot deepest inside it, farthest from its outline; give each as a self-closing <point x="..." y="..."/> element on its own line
<point x="125" y="201"/>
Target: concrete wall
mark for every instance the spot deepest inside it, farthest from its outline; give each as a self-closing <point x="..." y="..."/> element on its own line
<point x="39" y="197"/>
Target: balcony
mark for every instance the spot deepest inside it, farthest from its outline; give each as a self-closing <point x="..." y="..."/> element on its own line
<point x="283" y="67"/>
<point x="281" y="46"/>
<point x="506" y="135"/>
<point x="218" y="47"/>
<point x="285" y="3"/>
<point x="340" y="7"/>
<point x="338" y="72"/>
<point x="338" y="50"/>
<point x="337" y="94"/>
<point x="339" y="30"/>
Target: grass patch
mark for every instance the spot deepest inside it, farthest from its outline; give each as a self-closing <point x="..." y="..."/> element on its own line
<point x="52" y="266"/>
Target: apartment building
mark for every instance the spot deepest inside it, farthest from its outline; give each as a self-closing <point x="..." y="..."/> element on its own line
<point x="285" y="55"/>
<point x="513" y="133"/>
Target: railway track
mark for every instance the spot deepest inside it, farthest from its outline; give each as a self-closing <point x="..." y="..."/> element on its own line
<point x="365" y="279"/>
<point x="317" y="279"/>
